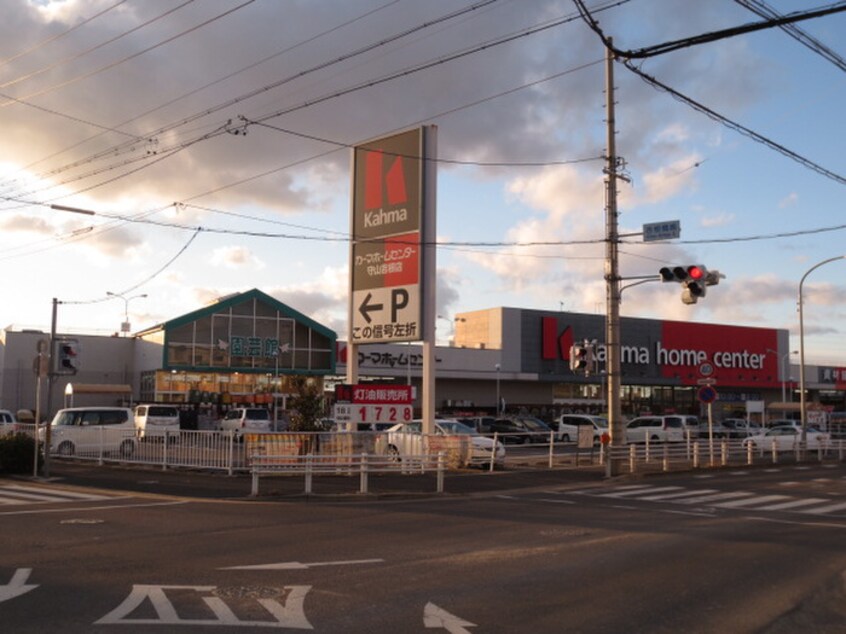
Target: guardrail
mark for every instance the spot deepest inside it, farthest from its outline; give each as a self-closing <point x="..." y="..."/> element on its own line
<point x="364" y="465"/>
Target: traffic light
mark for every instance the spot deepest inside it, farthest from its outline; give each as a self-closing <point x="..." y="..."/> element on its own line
<point x="694" y="285"/>
<point x="67" y="356"/>
<point x="578" y="357"/>
<point x="694" y="278"/>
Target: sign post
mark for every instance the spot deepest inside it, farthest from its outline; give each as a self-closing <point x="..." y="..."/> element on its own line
<point x="707" y="394"/>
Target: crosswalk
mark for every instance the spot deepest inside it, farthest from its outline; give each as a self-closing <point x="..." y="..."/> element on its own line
<point x="12" y="495"/>
<point x="740" y="500"/>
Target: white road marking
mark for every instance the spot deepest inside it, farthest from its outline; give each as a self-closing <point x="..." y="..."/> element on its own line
<point x="676" y="495"/>
<point x="296" y="565"/>
<point x="758" y="499"/>
<point x="784" y="506"/>
<point x="17" y="586"/>
<point x="826" y="509"/>
<point x="715" y="497"/>
<point x="435" y="617"/>
<point x="630" y="493"/>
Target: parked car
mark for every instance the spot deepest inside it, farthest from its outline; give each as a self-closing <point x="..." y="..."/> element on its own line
<point x="568" y="426"/>
<point x="245" y="420"/>
<point x="406" y="439"/>
<point x="79" y="430"/>
<point x="655" y="429"/>
<point x="481" y="424"/>
<point x="155" y="421"/>
<point x="520" y="430"/>
<point x="740" y="427"/>
<point x="8" y="422"/>
<point x="786" y="438"/>
<point x="716" y="428"/>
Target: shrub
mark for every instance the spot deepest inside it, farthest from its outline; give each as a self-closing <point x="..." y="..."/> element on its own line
<point x="16" y="453"/>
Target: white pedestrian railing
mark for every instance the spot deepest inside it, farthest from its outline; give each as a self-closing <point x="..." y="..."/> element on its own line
<point x="226" y="451"/>
<point x="363" y="464"/>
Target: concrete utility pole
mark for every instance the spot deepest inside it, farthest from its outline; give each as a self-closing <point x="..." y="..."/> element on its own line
<point x="612" y="279"/>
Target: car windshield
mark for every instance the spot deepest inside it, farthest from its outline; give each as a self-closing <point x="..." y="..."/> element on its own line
<point x="535" y="425"/>
<point x="454" y="427"/>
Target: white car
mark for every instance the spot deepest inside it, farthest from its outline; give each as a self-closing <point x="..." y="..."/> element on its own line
<point x="8" y="423"/>
<point x="568" y="425"/>
<point x="93" y="430"/>
<point x="155" y="421"/>
<point x="407" y="439"/>
<point x="655" y="429"/>
<point x="246" y="420"/>
<point x="786" y="438"/>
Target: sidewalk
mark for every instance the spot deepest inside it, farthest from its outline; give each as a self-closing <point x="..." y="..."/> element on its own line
<point x="218" y="485"/>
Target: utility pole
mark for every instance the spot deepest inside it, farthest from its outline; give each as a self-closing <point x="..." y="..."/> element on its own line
<point x="612" y="279"/>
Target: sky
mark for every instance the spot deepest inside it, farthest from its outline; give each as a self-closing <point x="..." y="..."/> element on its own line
<point x="212" y="139"/>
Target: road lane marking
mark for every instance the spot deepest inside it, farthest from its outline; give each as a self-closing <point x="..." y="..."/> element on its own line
<point x="716" y="497"/>
<point x="620" y="494"/>
<point x="826" y="509"/>
<point x="677" y="495"/>
<point x="758" y="499"/>
<point x="784" y="506"/>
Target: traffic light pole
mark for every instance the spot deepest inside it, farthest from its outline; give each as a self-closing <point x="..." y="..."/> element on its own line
<point x="51" y="379"/>
<point x="612" y="280"/>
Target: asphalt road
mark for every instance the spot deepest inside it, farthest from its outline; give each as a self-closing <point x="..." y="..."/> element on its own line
<point x="735" y="551"/>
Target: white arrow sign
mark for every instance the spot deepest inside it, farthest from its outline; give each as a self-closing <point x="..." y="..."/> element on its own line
<point x="296" y="565"/>
<point x="438" y="618"/>
<point x="17" y="586"/>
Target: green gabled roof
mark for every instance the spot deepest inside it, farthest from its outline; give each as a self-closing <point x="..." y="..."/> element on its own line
<point x="233" y="300"/>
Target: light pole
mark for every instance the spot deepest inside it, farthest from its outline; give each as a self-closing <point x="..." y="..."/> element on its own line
<point x="784" y="372"/>
<point x="451" y="325"/>
<point x="802" y="346"/>
<point x="125" y="326"/>
<point x="497" y="366"/>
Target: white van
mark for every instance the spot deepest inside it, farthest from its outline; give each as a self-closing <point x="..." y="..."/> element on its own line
<point x="154" y="421"/>
<point x="93" y="431"/>
<point x="656" y="429"/>
<point x="243" y="420"/>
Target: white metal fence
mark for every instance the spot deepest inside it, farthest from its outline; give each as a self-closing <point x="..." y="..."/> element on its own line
<point x="226" y="451"/>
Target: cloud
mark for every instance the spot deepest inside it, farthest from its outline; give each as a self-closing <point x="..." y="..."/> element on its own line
<point x="789" y="201"/>
<point x="234" y="257"/>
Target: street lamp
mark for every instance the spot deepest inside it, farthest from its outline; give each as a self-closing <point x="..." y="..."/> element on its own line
<point x="125" y="326"/>
<point x="784" y="372"/>
<point x="497" y="366"/>
<point x="451" y="325"/>
<point x="802" y="346"/>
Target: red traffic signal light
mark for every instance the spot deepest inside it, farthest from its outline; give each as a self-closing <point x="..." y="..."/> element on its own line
<point x="696" y="272"/>
<point x="67" y="353"/>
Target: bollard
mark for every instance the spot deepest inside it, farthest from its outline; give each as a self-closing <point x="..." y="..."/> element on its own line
<point x="440" y="485"/>
<point x="308" y="475"/>
<point x="362" y="487"/>
<point x="724" y="452"/>
<point x="775" y="452"/>
<point x="632" y="458"/>
<point x="665" y="464"/>
<point x="696" y="455"/>
<point x="551" y="448"/>
<point x="646" y="449"/>
<point x="493" y="451"/>
<point x="749" y="453"/>
<point x="166" y="442"/>
<point x="602" y="447"/>
<point x="255" y="488"/>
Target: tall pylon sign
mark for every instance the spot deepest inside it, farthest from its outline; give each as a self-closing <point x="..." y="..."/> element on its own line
<point x="386" y="254"/>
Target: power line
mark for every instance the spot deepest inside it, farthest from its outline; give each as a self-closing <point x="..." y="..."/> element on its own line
<point x="807" y="40"/>
<point x="233" y="101"/>
<point x="713" y="36"/>
<point x="53" y="38"/>
<point x="72" y="58"/>
<point x="737" y="127"/>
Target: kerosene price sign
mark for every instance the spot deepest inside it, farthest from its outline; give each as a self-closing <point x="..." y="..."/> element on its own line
<point x="372" y="403"/>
